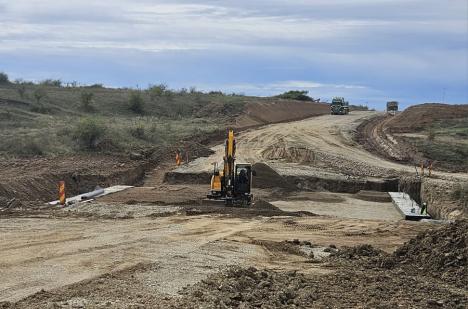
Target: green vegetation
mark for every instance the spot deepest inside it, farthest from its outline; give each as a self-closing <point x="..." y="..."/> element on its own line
<point x="300" y="95"/>
<point x="89" y="133"/>
<point x="136" y="102"/>
<point x="87" y="101"/>
<point x="4" y="78"/>
<point x="52" y="118"/>
<point x="359" y="107"/>
<point x="446" y="143"/>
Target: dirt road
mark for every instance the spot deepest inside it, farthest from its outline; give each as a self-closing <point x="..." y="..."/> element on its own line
<point x="49" y="253"/>
<point x="315" y="146"/>
<point x="307" y="146"/>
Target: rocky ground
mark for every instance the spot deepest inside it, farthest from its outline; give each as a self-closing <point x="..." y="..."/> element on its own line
<point x="429" y="271"/>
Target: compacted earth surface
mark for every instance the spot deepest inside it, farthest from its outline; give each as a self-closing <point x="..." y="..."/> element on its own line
<point x="322" y="231"/>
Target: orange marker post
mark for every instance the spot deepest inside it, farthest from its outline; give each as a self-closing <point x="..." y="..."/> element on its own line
<point x="178" y="159"/>
<point x="62" y="197"/>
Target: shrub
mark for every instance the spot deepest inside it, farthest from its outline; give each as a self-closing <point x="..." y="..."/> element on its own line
<point x="26" y="146"/>
<point x="88" y="133"/>
<point x="52" y="82"/>
<point x="155" y="91"/>
<point x="96" y="86"/>
<point x="4" y="78"/>
<point x="39" y="93"/>
<point x="21" y="88"/>
<point x="431" y="135"/>
<point x="136" y="102"/>
<point x="138" y="132"/>
<point x="87" y="101"/>
<point x="300" y="95"/>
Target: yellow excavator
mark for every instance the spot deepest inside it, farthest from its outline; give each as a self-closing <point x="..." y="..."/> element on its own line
<point x="233" y="184"/>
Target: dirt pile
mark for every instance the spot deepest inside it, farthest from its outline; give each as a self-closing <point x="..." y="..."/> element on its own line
<point x="419" y="117"/>
<point x="267" y="178"/>
<point x="248" y="287"/>
<point x="238" y="287"/>
<point x="278" y="110"/>
<point x="441" y="252"/>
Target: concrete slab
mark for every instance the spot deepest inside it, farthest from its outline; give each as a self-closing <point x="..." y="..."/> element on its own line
<point x="107" y="191"/>
<point x="348" y="207"/>
<point x="407" y="206"/>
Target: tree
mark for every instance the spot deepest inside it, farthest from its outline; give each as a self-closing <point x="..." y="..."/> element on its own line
<point x="4" y="78"/>
<point x="136" y="102"/>
<point x="300" y="95"/>
<point x="87" y="100"/>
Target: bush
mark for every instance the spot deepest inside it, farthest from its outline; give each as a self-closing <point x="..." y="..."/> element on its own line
<point x="51" y="82"/>
<point x="156" y="91"/>
<point x="136" y="102"/>
<point x="21" y="88"/>
<point x="39" y="94"/>
<point x="4" y="78"/>
<point x="138" y="132"/>
<point x="26" y="146"/>
<point x="300" y="95"/>
<point x="87" y="101"/>
<point x="88" y="133"/>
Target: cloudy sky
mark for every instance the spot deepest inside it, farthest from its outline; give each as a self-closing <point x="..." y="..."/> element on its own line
<point x="366" y="50"/>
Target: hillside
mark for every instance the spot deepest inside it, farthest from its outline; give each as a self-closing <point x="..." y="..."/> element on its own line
<point x="50" y="120"/>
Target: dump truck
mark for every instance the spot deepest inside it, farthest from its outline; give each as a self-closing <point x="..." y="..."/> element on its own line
<point x="339" y="106"/>
<point x="392" y="107"/>
<point x="233" y="184"/>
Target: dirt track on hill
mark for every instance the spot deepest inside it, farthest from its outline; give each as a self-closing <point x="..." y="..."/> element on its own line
<point x="316" y="146"/>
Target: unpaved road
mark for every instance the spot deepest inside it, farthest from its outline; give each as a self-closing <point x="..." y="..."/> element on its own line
<point x="48" y="253"/>
<point x="320" y="145"/>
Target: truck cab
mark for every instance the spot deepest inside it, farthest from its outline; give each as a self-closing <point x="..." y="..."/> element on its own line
<point x="339" y="106"/>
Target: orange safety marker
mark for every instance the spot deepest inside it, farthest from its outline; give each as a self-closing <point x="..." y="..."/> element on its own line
<point x="178" y="159"/>
<point x="62" y="197"/>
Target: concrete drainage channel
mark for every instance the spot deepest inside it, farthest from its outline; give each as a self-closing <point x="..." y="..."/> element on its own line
<point x="404" y="192"/>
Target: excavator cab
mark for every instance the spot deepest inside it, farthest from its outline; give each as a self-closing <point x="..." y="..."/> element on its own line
<point x="243" y="179"/>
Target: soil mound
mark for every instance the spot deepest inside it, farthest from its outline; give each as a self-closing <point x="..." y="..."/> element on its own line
<point x="262" y="204"/>
<point x="278" y="110"/>
<point x="267" y="178"/>
<point x="238" y="287"/>
<point x="418" y="117"/>
<point x="441" y="252"/>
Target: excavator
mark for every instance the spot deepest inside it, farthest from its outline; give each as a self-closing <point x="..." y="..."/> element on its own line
<point x="232" y="184"/>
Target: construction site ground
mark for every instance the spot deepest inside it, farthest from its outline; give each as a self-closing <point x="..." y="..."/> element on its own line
<point x="143" y="246"/>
